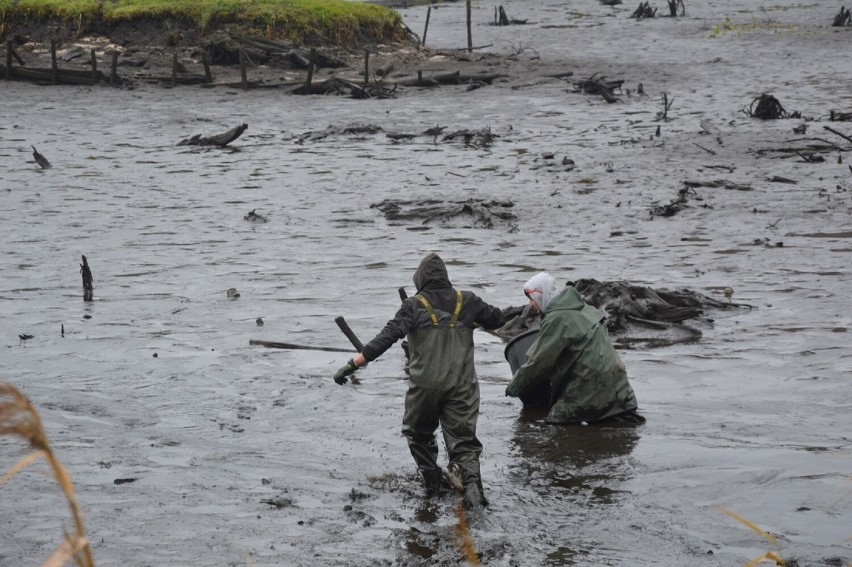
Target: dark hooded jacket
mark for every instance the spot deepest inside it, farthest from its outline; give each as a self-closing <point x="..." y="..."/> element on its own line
<point x="433" y="283"/>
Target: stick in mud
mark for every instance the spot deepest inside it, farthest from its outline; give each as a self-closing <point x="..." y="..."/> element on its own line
<point x="426" y="27"/>
<point x="88" y="287"/>
<point x="292" y="346"/>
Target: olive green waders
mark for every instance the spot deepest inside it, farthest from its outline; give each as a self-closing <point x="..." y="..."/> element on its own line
<point x="443" y="391"/>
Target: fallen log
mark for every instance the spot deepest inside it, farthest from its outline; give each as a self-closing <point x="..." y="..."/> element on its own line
<point x="67" y="76"/>
<point x="220" y="140"/>
<point x="452" y="78"/>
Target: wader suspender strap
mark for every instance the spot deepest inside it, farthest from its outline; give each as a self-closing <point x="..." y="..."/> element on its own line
<point x="431" y="311"/>
<point x="455" y="318"/>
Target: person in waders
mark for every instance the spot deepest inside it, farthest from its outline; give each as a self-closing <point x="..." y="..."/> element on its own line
<point x="443" y="388"/>
<point x="573" y="352"/>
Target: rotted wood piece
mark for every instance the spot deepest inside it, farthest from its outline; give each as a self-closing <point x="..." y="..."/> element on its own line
<point x="88" y="285"/>
<point x="220" y="140"/>
<point x="42" y="161"/>
<point x="453" y="78"/>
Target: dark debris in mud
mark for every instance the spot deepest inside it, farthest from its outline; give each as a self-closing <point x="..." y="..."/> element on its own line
<point x="843" y="18"/>
<point x="470" y="213"/>
<point x="659" y="313"/>
<point x="767" y="107"/>
<point x="220" y="140"/>
<point x="644" y="11"/>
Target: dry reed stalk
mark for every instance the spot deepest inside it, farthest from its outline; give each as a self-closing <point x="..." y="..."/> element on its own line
<point x="769" y="555"/>
<point x="19" y="417"/>
<point x="464" y="541"/>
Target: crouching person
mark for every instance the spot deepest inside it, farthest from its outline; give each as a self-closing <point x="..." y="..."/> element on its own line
<point x="443" y="388"/>
<point x="573" y="351"/>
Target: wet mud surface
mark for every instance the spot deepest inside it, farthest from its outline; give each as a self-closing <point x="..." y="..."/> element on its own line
<point x="241" y="455"/>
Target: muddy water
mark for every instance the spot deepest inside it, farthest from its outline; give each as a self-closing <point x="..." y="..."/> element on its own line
<point x="155" y="380"/>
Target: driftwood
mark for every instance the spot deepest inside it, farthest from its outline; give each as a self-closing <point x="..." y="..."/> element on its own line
<point x="836" y="116"/>
<point x="599" y="86"/>
<point x="473" y="138"/>
<point x="452" y="78"/>
<point x="254" y="216"/>
<point x="844" y="18"/>
<point x="339" y="86"/>
<point x="717" y="183"/>
<point x="644" y="11"/>
<point x="471" y="213"/>
<point x="501" y="19"/>
<point x="88" y="285"/>
<point x="291" y="53"/>
<point x="45" y="76"/>
<point x="40" y="159"/>
<point x="352" y="129"/>
<point x="220" y="140"/>
<point x="634" y="315"/>
<point x="673" y="5"/>
<point x="672" y="208"/>
<point x="767" y="107"/>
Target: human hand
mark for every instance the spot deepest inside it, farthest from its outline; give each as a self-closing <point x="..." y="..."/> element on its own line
<point x="340" y="377"/>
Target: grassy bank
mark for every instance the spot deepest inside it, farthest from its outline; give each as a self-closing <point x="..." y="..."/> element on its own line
<point x="300" y="21"/>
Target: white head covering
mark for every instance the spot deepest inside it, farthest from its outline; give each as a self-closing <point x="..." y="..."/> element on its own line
<point x="541" y="288"/>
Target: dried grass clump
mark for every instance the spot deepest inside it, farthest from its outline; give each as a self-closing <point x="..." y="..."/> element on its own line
<point x="19" y="417"/>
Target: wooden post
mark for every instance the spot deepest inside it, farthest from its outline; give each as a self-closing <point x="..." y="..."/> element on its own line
<point x="469" y="35"/>
<point x="174" y="69"/>
<point x="88" y="287"/>
<point x="310" y="71"/>
<point x="419" y="77"/>
<point x="426" y="27"/>
<point x="53" y="66"/>
<point x="243" y="76"/>
<point x="205" y="60"/>
<point x="113" y="68"/>
<point x="94" y="68"/>
<point x="366" y="67"/>
<point x="9" y="60"/>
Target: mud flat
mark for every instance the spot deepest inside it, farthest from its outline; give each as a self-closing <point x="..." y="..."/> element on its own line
<point x="241" y="455"/>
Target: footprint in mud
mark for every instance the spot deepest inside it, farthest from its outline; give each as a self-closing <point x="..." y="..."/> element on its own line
<point x="234" y="427"/>
<point x="245" y="411"/>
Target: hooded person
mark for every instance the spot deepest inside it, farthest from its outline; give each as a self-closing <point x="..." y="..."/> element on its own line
<point x="443" y="388"/>
<point x="573" y="351"/>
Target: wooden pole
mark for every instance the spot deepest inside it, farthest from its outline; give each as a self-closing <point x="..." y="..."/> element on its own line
<point x="94" y="68"/>
<point x="469" y="35"/>
<point x="243" y="76"/>
<point x="113" y="69"/>
<point x="419" y="78"/>
<point x="426" y="27"/>
<point x="9" y="60"/>
<point x="205" y="60"/>
<point x="88" y="286"/>
<point x="53" y="66"/>
<point x="310" y="71"/>
<point x="366" y="67"/>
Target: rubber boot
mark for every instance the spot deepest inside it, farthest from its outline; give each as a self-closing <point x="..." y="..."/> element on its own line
<point x="432" y="482"/>
<point x="474" y="496"/>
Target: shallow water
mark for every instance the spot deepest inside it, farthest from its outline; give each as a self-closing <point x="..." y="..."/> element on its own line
<point x="754" y="417"/>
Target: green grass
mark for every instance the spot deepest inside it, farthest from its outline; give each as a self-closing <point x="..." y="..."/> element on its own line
<point x="339" y="21"/>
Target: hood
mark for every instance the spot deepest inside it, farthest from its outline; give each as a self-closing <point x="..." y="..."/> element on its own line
<point x="568" y="298"/>
<point x="431" y="274"/>
<point x="541" y="288"/>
